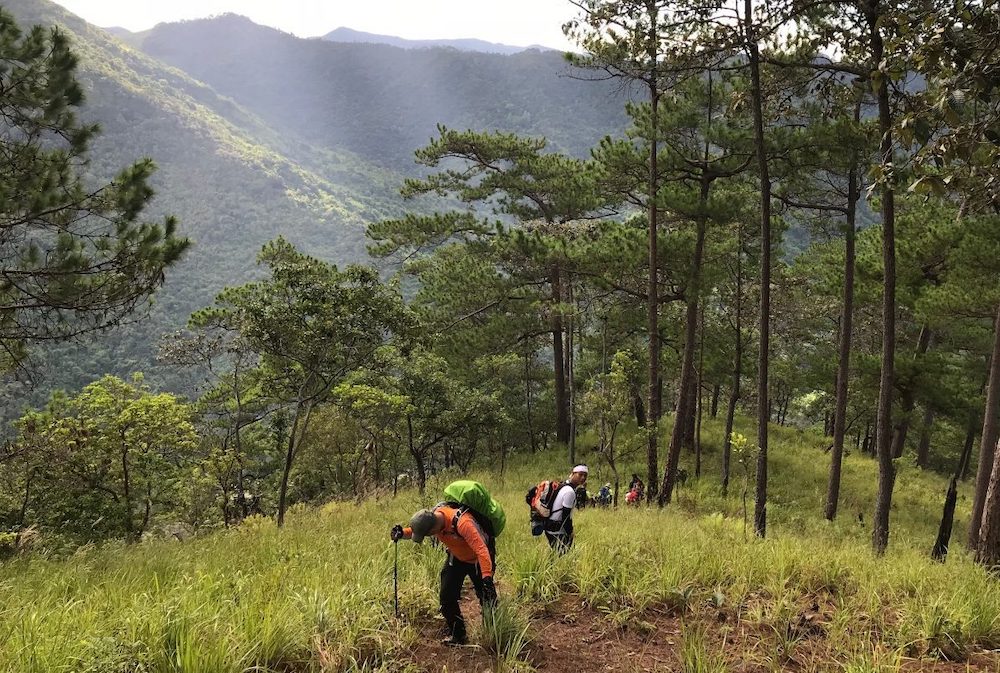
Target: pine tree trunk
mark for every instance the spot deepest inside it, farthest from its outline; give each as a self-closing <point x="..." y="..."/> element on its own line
<point x="844" y="347"/>
<point x="527" y="400"/>
<point x="290" y="450"/>
<point x="659" y="393"/>
<point x="559" y="358"/>
<point x="988" y="438"/>
<point x="684" y="409"/>
<point x="698" y="399"/>
<point x="907" y="400"/>
<point x="924" y="446"/>
<point x="883" y="430"/>
<point x="683" y="403"/>
<point x="652" y="300"/>
<point x="639" y="409"/>
<point x="970" y="438"/>
<point x="988" y="550"/>
<point x="940" y="550"/>
<point x="716" y="391"/>
<point x="727" y="444"/>
<point x="763" y="405"/>
<point x="690" y="420"/>
<point x="570" y="372"/>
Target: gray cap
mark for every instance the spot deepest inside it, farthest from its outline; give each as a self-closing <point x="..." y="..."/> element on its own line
<point x="422" y="524"/>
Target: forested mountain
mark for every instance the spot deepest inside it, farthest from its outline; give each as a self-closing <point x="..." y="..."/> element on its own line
<point x="232" y="181"/>
<point x="257" y="133"/>
<point x="384" y="102"/>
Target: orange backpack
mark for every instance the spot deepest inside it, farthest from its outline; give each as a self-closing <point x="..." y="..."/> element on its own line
<point x="540" y="499"/>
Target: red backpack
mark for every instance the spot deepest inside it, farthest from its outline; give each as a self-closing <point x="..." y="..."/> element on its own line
<point x="540" y="499"/>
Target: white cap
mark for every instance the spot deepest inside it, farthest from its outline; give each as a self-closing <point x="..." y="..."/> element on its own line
<point x="581" y="468"/>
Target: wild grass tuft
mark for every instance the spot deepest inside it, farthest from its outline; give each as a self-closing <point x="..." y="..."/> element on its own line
<point x="697" y="654"/>
<point x="505" y="635"/>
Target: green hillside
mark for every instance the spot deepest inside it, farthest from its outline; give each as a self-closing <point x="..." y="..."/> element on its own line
<point x="815" y="414"/>
<point x="644" y="589"/>
<point x="232" y="180"/>
<point x="257" y="133"/>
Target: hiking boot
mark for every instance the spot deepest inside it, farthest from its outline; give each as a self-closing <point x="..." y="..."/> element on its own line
<point x="454" y="641"/>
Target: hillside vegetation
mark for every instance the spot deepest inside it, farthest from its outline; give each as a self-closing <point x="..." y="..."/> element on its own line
<point x="231" y="180"/>
<point x="256" y="132"/>
<point x="317" y="595"/>
<point x="566" y="276"/>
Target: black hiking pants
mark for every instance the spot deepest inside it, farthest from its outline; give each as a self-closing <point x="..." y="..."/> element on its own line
<point x="562" y="538"/>
<point x="453" y="576"/>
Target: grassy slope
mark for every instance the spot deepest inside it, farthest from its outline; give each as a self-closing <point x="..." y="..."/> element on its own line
<point x="318" y="595"/>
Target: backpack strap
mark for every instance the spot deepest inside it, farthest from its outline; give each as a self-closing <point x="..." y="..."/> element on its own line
<point x="484" y="524"/>
<point x="460" y="509"/>
<point x="562" y="485"/>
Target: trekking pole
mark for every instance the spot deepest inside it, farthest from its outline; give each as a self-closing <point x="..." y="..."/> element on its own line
<point x="395" y="579"/>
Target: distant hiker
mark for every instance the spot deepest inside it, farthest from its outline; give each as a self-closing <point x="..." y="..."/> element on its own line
<point x="468" y="534"/>
<point x="552" y="504"/>
<point x="636" y="491"/>
<point x="582" y="496"/>
<point x="604" y="496"/>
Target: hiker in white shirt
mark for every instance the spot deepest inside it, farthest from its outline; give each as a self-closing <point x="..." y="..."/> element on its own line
<point x="559" y="530"/>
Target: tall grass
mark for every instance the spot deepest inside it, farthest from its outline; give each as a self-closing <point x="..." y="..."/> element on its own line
<point x="317" y="596"/>
<point x="697" y="654"/>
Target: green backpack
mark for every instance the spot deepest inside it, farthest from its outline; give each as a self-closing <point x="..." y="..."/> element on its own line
<point x="473" y="495"/>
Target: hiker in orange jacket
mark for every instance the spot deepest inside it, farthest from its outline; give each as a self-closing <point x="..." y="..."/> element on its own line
<point x="471" y="551"/>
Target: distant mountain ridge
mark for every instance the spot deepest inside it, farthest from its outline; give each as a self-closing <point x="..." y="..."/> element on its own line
<point x="350" y="35"/>
<point x="344" y="34"/>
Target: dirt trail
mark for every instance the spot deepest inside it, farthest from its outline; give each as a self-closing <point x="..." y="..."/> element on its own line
<point x="579" y="639"/>
<point x="573" y="638"/>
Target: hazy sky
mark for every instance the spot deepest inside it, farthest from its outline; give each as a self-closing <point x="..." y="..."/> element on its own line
<point x="514" y="22"/>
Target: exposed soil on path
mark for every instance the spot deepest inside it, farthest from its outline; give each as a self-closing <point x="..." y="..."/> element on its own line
<point x="575" y="638"/>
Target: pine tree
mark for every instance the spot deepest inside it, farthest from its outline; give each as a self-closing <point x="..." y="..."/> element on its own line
<point x="76" y="256"/>
<point x="543" y="192"/>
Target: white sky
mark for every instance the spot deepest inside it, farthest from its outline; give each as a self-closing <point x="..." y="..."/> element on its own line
<point x="513" y="22"/>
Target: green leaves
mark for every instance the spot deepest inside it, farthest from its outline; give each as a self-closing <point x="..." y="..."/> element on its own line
<point x="107" y="461"/>
<point x="310" y="323"/>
